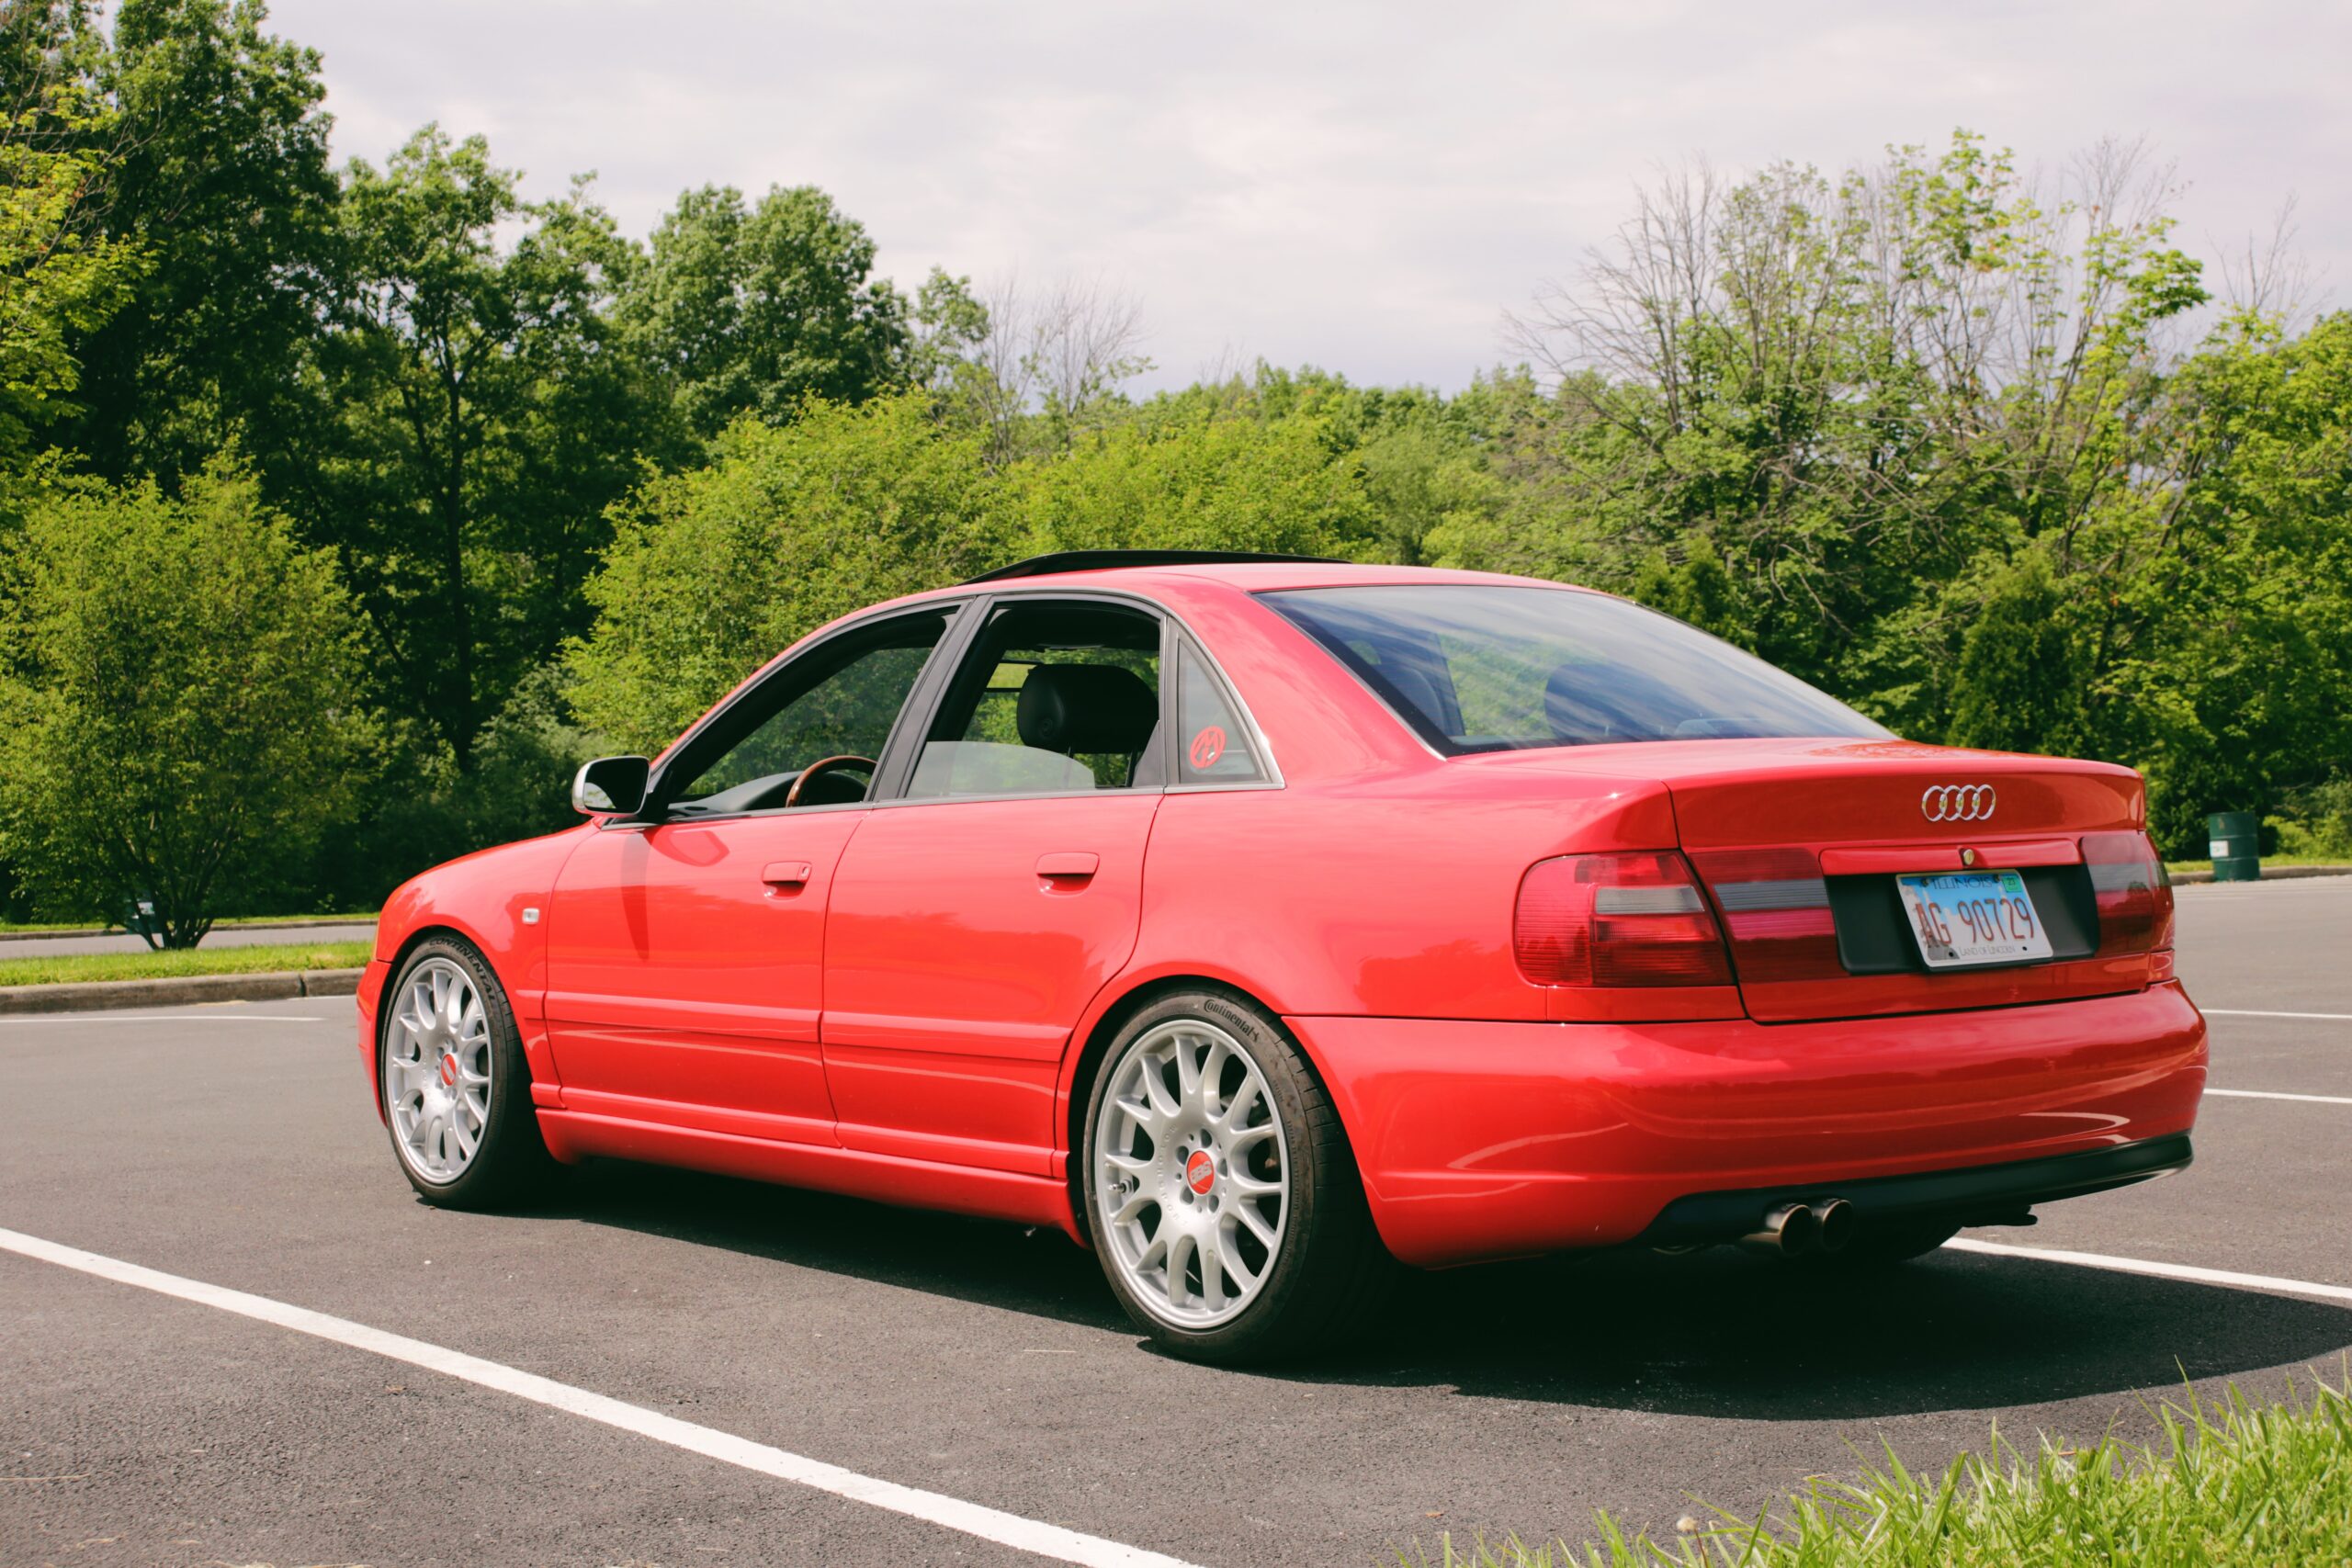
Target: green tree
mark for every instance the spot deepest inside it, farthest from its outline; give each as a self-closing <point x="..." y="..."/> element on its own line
<point x="516" y="788"/>
<point x="1191" y="479"/>
<point x="1697" y="590"/>
<point x="486" y="415"/>
<point x="751" y="311"/>
<point x="713" y="571"/>
<point x="2230" y="618"/>
<point x="2020" y="684"/>
<point x="1855" y="391"/>
<point x="176" y="683"/>
<point x="60" y="276"/>
<point x="950" y="323"/>
<point x="1422" y="458"/>
<point x="219" y="178"/>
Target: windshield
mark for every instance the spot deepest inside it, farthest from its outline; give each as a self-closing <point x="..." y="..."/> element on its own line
<point x="1475" y="668"/>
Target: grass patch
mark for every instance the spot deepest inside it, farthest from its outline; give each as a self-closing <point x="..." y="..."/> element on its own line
<point x="2268" y="861"/>
<point x="2227" y="1482"/>
<point x="72" y="968"/>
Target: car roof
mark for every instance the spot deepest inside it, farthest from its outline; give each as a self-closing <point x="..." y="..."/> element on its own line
<point x="1249" y="577"/>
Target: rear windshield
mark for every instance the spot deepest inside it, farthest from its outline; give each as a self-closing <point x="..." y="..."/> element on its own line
<point x="1502" y="669"/>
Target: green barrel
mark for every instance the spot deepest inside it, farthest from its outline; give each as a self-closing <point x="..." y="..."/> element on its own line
<point x="2236" y="850"/>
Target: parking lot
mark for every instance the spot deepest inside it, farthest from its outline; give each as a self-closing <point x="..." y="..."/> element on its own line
<point x="984" y="1366"/>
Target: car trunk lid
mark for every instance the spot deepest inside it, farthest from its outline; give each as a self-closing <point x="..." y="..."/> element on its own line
<point x="1799" y="844"/>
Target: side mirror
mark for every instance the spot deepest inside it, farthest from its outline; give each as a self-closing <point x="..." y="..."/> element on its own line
<point x="610" y="785"/>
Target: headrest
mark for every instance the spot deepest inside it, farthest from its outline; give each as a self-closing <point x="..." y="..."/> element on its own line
<point x="1569" y="708"/>
<point x="1418" y="691"/>
<point x="1098" y="709"/>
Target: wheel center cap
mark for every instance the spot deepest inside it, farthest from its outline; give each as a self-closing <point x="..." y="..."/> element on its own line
<point x="1200" y="1172"/>
<point x="449" y="1074"/>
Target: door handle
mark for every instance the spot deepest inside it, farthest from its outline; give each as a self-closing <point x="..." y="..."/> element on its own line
<point x="786" y="874"/>
<point x="1068" y="866"/>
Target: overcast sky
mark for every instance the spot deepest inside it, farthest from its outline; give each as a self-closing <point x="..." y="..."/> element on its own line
<point x="1365" y="188"/>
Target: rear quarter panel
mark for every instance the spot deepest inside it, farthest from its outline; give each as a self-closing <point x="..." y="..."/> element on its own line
<point x="1391" y="896"/>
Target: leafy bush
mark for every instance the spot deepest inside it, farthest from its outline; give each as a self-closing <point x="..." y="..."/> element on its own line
<point x="2315" y="823"/>
<point x="425" y="810"/>
<point x="177" y="711"/>
<point x="1201" y="483"/>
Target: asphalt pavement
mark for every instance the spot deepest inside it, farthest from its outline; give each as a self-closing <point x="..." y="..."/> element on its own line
<point x="236" y="1145"/>
<point x="35" y="945"/>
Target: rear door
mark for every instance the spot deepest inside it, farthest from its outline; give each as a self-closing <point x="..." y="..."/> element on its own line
<point x="974" y="920"/>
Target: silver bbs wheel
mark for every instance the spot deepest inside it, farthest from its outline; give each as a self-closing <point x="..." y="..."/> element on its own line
<point x="436" y="1071"/>
<point x="1191" y="1183"/>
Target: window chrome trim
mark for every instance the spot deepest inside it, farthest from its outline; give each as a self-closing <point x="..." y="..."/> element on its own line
<point x="1238" y="788"/>
<point x="1001" y="799"/>
<point x="692" y="820"/>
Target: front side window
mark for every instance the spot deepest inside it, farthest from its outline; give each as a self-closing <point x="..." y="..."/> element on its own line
<point x="1055" y="696"/>
<point x="1474" y="668"/>
<point x="829" y="704"/>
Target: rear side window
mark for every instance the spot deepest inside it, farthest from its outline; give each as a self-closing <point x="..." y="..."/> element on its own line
<point x="1213" y="745"/>
<point x="1055" y="697"/>
<point x="1475" y="668"/>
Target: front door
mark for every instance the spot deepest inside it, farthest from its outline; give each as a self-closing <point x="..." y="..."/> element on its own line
<point x="685" y="951"/>
<point x="972" y="922"/>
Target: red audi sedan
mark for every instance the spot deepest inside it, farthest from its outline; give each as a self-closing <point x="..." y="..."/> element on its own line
<point x="1263" y="923"/>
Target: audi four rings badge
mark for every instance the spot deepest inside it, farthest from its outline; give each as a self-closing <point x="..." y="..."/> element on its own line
<point x="1957" y="803"/>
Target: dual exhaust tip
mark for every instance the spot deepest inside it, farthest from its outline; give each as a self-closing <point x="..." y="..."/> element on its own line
<point x="1795" y="1230"/>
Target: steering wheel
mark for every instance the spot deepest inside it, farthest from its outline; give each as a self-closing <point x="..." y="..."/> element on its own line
<point x="824" y="765"/>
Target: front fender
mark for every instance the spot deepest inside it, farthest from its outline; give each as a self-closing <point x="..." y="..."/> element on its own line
<point x="498" y="900"/>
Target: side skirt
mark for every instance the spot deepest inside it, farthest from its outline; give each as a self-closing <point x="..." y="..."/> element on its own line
<point x="574" y="1135"/>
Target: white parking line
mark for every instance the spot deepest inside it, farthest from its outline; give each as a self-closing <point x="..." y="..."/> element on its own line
<point x="2273" y="1094"/>
<point x="2238" y="1012"/>
<point x="2270" y="1283"/>
<point x="951" y="1513"/>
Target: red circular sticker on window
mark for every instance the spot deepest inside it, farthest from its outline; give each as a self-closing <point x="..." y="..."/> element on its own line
<point x="1207" y="747"/>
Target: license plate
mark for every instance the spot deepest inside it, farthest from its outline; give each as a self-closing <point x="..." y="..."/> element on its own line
<point x="1966" y="918"/>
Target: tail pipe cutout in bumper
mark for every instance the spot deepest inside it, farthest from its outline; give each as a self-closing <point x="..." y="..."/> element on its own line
<point x="1799" y="1220"/>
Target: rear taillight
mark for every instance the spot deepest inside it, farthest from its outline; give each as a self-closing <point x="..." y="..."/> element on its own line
<point x="1778" y="908"/>
<point x="2133" y="892"/>
<point x="1619" y="920"/>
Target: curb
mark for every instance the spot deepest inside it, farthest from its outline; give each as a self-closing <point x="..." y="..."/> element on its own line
<point x="270" y="986"/>
<point x="355" y="922"/>
<point x="2277" y="874"/>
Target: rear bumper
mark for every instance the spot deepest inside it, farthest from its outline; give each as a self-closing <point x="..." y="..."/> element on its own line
<point x="1490" y="1139"/>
